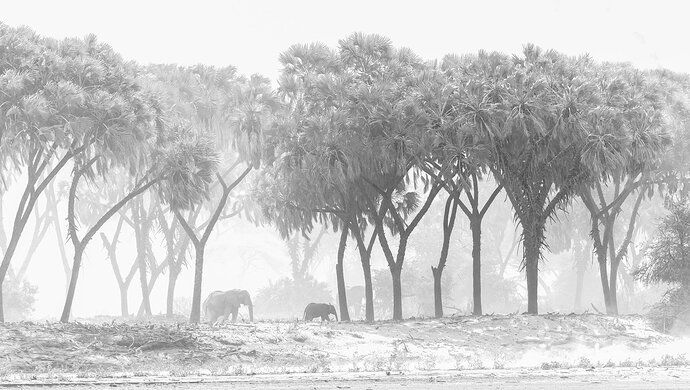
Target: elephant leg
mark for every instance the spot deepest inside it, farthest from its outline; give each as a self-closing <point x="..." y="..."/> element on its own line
<point x="234" y="314"/>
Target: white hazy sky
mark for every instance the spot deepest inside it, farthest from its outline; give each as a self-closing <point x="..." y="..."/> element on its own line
<point x="251" y="34"/>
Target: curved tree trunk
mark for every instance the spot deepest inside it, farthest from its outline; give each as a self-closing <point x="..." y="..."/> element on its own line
<point x="342" y="297"/>
<point x="76" y="265"/>
<point x="40" y="229"/>
<point x="155" y="273"/>
<point x="449" y="213"/>
<point x="200" y="243"/>
<point x="80" y="245"/>
<point x="40" y="160"/>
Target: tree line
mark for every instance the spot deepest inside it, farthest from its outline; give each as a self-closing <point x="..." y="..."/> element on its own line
<point x="361" y="139"/>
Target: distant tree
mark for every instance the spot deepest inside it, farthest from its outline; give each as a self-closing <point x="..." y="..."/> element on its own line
<point x="303" y="251"/>
<point x="20" y="298"/>
<point x="123" y="281"/>
<point x="287" y="298"/>
<point x="94" y="201"/>
<point x="668" y="254"/>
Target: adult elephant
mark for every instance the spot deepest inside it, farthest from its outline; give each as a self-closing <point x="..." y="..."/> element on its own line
<point x="323" y="310"/>
<point x="220" y="304"/>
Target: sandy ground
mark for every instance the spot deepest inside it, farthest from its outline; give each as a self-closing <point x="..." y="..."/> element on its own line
<point x="490" y="345"/>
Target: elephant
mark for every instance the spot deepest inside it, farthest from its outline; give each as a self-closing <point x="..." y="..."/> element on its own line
<point x="323" y="310"/>
<point x="220" y="304"/>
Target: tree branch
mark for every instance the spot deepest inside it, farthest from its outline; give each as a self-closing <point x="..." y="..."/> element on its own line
<point x="490" y="200"/>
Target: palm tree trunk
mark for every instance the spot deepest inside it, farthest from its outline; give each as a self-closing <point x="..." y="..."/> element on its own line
<point x="67" y="309"/>
<point x="143" y="282"/>
<point x="438" y="300"/>
<point x="368" y="292"/>
<point x="40" y="228"/>
<point x="365" y="259"/>
<point x="612" y="308"/>
<point x="397" y="293"/>
<point x="340" y="277"/>
<point x="56" y="221"/>
<point x="531" y="259"/>
<point x="124" y="308"/>
<point x="170" y="298"/>
<point x="155" y="273"/>
<point x="604" y="277"/>
<point x="11" y="247"/>
<point x="449" y="213"/>
<point x="195" y="315"/>
<point x="476" y="227"/>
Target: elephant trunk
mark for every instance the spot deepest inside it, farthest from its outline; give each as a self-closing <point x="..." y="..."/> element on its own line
<point x="336" y="315"/>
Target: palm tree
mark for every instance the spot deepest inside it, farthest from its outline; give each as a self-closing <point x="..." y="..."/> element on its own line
<point x="51" y="100"/>
<point x="625" y="148"/>
<point x="532" y="111"/>
<point x="232" y="113"/>
<point x="452" y="101"/>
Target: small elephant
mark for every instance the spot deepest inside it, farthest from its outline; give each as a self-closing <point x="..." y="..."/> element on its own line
<point x="323" y="310"/>
<point x="220" y="304"/>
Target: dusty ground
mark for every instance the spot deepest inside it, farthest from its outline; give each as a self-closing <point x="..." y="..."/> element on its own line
<point x="36" y="352"/>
